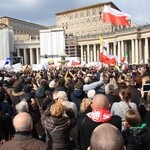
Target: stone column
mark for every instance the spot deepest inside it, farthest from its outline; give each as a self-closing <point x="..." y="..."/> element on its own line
<point x="108" y="49"/>
<point x="146" y="53"/>
<point x="111" y="49"/>
<point x="94" y="49"/>
<point x="119" y="52"/>
<point x="31" y="56"/>
<point x="136" y="52"/>
<point x="122" y="50"/>
<point x="37" y="56"/>
<point x="98" y="50"/>
<point x="114" y="47"/>
<point x="18" y="52"/>
<point x="91" y="55"/>
<point x="30" y="38"/>
<point x="25" y="56"/>
<point x="140" y="51"/>
<point x="133" y="50"/>
<point x="88" y="53"/>
<point x="81" y="53"/>
<point x="125" y="47"/>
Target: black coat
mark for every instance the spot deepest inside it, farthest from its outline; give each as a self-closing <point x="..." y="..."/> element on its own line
<point x="147" y="118"/>
<point x="135" y="95"/>
<point x="16" y="98"/>
<point x="137" y="138"/>
<point x="87" y="126"/>
<point x="7" y="108"/>
<point x="113" y="98"/>
<point x="77" y="96"/>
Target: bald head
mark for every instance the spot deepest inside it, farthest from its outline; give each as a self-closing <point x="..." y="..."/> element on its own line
<point x="100" y="101"/>
<point x="87" y="80"/>
<point x="23" y="122"/>
<point x="106" y="137"/>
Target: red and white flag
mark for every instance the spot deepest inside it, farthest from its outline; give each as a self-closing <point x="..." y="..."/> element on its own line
<point x="115" y="16"/>
<point x="108" y="59"/>
<point x="75" y="63"/>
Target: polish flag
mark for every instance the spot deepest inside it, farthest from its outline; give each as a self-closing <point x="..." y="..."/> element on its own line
<point x="75" y="63"/>
<point x="107" y="59"/>
<point x="115" y="16"/>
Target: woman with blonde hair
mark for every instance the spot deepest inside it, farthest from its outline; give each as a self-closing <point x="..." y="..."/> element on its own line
<point x="145" y="79"/>
<point x="58" y="126"/>
<point x="85" y="107"/>
<point x="84" y="104"/>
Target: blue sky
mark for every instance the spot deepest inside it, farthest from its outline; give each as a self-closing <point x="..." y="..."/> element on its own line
<point x="43" y="11"/>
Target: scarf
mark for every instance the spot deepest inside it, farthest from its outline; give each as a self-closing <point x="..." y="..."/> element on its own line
<point x="100" y="115"/>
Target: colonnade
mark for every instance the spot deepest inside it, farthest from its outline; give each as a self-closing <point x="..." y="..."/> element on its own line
<point x="138" y="50"/>
<point x="30" y="55"/>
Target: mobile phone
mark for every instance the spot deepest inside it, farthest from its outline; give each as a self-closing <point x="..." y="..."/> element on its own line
<point x="133" y="75"/>
<point x="146" y="87"/>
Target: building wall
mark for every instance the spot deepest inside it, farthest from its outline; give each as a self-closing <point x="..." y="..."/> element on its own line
<point x="22" y="27"/>
<point x="6" y="43"/>
<point x="52" y="43"/>
<point x="85" y="26"/>
<point x="84" y="21"/>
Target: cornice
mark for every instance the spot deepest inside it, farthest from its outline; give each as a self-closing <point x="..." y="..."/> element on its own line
<point x="87" y="7"/>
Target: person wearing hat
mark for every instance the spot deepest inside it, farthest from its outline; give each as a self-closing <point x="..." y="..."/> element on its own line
<point x="17" y="93"/>
<point x="62" y="97"/>
<point x="78" y="94"/>
<point x="52" y="84"/>
<point x="28" y="94"/>
<point x="91" y="94"/>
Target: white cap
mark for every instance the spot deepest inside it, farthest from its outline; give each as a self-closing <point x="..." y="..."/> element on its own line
<point x="91" y="94"/>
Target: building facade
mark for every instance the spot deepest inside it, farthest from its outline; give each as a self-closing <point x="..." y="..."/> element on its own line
<point x="134" y="41"/>
<point x="86" y="24"/>
<point x="21" y="27"/>
<point x="83" y="27"/>
<point x="6" y="41"/>
<point x="85" y="20"/>
<point x="26" y="37"/>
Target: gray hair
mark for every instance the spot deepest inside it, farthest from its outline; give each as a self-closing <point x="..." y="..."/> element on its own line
<point x="22" y="107"/>
<point x="109" y="88"/>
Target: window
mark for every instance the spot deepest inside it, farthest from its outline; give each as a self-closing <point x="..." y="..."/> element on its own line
<point x="71" y="17"/>
<point x="94" y="21"/>
<point x="66" y="27"/>
<point x="82" y="14"/>
<point x="94" y="12"/>
<point x="100" y="15"/>
<point x="76" y="15"/>
<point x="88" y="13"/>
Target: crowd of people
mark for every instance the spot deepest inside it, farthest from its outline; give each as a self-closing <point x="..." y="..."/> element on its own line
<point x="75" y="108"/>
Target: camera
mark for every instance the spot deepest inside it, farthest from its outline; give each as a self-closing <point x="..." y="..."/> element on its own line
<point x="146" y="87"/>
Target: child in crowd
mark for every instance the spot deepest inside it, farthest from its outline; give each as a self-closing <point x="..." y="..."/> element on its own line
<point x="137" y="134"/>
